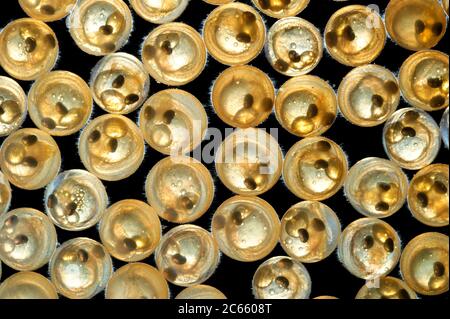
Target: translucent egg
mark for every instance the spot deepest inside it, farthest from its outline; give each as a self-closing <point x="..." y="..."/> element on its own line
<point x="159" y="11"/>
<point x="386" y="288"/>
<point x="218" y="2"/>
<point x="49" y="10"/>
<point x="201" y="292"/>
<point x="281" y="8"/>
<point x="5" y="194"/>
<point x="27" y="285"/>
<point x="444" y="128"/>
<point x="13" y="106"/>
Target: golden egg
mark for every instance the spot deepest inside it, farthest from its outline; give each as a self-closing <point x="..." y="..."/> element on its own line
<point x="137" y="281"/>
<point x="386" y="288"/>
<point x="5" y="194"/>
<point x="306" y="105"/>
<point x="111" y="147"/>
<point x="309" y="231"/>
<point x="369" y="248"/>
<point x="424" y="80"/>
<point x="281" y="278"/>
<point x="218" y="2"/>
<point x="29" y="48"/>
<point x="80" y="268"/>
<point x="130" y="230"/>
<point x="49" y="10"/>
<point x="243" y="96"/>
<point x="445" y="4"/>
<point x="160" y="12"/>
<point x="181" y="189"/>
<point x="424" y="264"/>
<point x="100" y="27"/>
<point x="376" y="187"/>
<point x="27" y="239"/>
<point x="174" y="54"/>
<point x="444" y="128"/>
<point x="294" y="46"/>
<point x="246" y="228"/>
<point x="30" y="158"/>
<point x="187" y="255"/>
<point x="60" y="103"/>
<point x="249" y="162"/>
<point x="355" y="35"/>
<point x="315" y="168"/>
<point x="326" y="297"/>
<point x="13" y="106"/>
<point x="27" y="285"/>
<point x="173" y="122"/>
<point x="368" y="95"/>
<point x="281" y="8"/>
<point x="234" y="33"/>
<point x="119" y="83"/>
<point x="415" y="24"/>
<point x="201" y="292"/>
<point x="411" y="138"/>
<point x="428" y="195"/>
<point x="75" y="200"/>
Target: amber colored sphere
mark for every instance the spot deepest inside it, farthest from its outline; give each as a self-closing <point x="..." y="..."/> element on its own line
<point x="174" y="54"/>
<point x="218" y="2"/>
<point x="180" y="189"/>
<point x="411" y="138"/>
<point x="369" y="248"/>
<point x="187" y="255"/>
<point x="173" y="122"/>
<point x="428" y="195"/>
<point x="246" y="228"/>
<point x="159" y="12"/>
<point x="234" y="33"/>
<point x="355" y="35"/>
<point x="30" y="158"/>
<point x="13" y="106"/>
<point x="111" y="147"/>
<point x="100" y="27"/>
<point x="294" y="46"/>
<point x="309" y="231"/>
<point x="444" y="128"/>
<point x="119" y="83"/>
<point x="249" y="162"/>
<point x="315" y="168"/>
<point x="281" y="8"/>
<point x="306" y="106"/>
<point x="60" y="103"/>
<point x="386" y="288"/>
<point x="376" y="187"/>
<point x="5" y="194"/>
<point x="80" y="268"/>
<point x="424" y="80"/>
<point x="130" y="230"/>
<point x="75" y="200"/>
<point x="368" y="95"/>
<point x="281" y="278"/>
<point x="326" y="297"/>
<point x="415" y="24"/>
<point x="243" y="96"/>
<point x="424" y="264"/>
<point x="50" y="10"/>
<point x="27" y="285"/>
<point x="30" y="48"/>
<point x="137" y="281"/>
<point x="200" y="292"/>
<point x="27" y="239"/>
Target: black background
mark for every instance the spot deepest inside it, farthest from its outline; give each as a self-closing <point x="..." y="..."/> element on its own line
<point x="234" y="278"/>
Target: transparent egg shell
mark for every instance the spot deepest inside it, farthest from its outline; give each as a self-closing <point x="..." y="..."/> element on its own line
<point x="424" y="264"/>
<point x="13" y="106"/>
<point x="369" y="248"/>
<point x="30" y="47"/>
<point x="411" y="138"/>
<point x="30" y="158"/>
<point x="309" y="231"/>
<point x="111" y="147"/>
<point x="376" y="187"/>
<point x="159" y="12"/>
<point x="75" y="200"/>
<point x="187" y="255"/>
<point x="246" y="228"/>
<point x="27" y="239"/>
<point x="386" y="288"/>
<point x="281" y="278"/>
<point x="50" y="10"/>
<point x="80" y="268"/>
<point x="200" y="292"/>
<point x="137" y="281"/>
<point x="444" y="128"/>
<point x="27" y="285"/>
<point x="130" y="230"/>
<point x="5" y="194"/>
<point x="428" y="195"/>
<point x="281" y="8"/>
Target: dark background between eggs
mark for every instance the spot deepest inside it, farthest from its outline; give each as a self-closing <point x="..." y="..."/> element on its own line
<point x="234" y="278"/>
